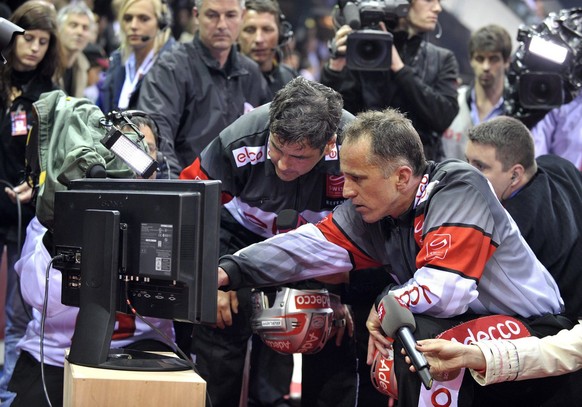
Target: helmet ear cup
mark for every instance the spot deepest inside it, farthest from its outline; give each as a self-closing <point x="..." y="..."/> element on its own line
<point x="300" y="321"/>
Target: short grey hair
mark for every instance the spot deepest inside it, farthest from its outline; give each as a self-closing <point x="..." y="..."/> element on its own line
<point x="199" y="3"/>
<point x="76" y="8"/>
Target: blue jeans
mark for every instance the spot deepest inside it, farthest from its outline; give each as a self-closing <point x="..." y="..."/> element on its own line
<point x="17" y="318"/>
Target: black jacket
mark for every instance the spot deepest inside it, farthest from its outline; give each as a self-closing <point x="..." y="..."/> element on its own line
<point x="425" y="89"/>
<point x="279" y="76"/>
<point x="13" y="147"/>
<point x="193" y="100"/>
<point x="547" y="211"/>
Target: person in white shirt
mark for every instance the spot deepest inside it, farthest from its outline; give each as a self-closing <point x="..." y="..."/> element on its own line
<point x="505" y="360"/>
<point x="490" y="53"/>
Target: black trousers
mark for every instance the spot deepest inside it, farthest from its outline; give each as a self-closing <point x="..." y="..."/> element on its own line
<point x="220" y="353"/>
<point x="220" y="359"/>
<point x="330" y="376"/>
<point x="26" y="382"/>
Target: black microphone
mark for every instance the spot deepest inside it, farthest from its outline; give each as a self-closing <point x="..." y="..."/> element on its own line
<point x="145" y="38"/>
<point x="397" y="321"/>
<point x="289" y="219"/>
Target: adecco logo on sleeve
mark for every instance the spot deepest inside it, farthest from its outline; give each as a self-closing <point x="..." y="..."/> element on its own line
<point x="249" y="155"/>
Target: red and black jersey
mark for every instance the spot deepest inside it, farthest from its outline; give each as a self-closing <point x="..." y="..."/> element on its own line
<point x="251" y="190"/>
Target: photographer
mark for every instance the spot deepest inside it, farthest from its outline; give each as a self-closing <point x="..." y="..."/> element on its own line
<point x="421" y="80"/>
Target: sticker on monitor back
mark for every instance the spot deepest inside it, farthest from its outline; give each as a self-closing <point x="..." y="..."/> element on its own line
<point x="156" y="241"/>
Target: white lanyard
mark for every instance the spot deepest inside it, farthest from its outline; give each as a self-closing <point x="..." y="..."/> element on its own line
<point x="132" y="77"/>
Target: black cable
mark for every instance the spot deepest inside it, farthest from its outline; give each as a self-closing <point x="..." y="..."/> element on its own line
<point x="168" y="168"/>
<point x="42" y="323"/>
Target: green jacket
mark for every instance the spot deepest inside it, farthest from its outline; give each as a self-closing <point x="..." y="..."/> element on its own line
<point x="68" y="139"/>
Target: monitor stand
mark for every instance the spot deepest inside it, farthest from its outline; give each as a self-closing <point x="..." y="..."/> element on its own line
<point x="90" y="345"/>
<point x="137" y="360"/>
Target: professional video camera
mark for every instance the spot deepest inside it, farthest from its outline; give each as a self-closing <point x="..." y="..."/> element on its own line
<point x="369" y="48"/>
<point x="8" y="30"/>
<point x="546" y="69"/>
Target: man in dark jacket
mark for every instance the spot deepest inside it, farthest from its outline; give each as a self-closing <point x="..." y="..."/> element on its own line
<point x="263" y="35"/>
<point x="421" y="80"/>
<point x="543" y="196"/>
<point x="197" y="89"/>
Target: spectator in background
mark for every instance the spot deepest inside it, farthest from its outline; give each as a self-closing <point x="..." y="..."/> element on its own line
<point x="145" y="34"/>
<point x="543" y="196"/>
<point x="32" y="61"/>
<point x="98" y="64"/>
<point x="107" y="26"/>
<point x="421" y="80"/>
<point x="76" y="23"/>
<point x="560" y="132"/>
<point x="197" y="89"/>
<point x="489" y="53"/>
<point x="262" y="36"/>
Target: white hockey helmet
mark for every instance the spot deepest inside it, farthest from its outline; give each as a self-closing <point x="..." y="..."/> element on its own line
<point x="300" y="321"/>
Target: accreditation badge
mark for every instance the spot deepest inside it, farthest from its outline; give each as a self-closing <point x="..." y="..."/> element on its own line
<point x="18" y="118"/>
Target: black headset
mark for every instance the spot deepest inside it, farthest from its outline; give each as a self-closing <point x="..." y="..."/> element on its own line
<point x="163" y="165"/>
<point x="285" y="30"/>
<point x="284" y="26"/>
<point x="165" y="18"/>
<point x="141" y="113"/>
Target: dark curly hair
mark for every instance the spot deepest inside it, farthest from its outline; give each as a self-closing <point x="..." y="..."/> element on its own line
<point x="305" y="113"/>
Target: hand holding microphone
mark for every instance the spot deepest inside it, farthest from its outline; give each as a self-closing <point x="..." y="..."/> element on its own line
<point x="398" y="322"/>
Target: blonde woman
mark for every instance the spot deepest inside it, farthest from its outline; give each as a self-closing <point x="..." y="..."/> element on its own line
<point x="145" y="34"/>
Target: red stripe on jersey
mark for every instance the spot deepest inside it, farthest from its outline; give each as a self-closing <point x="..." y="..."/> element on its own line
<point x="333" y="234"/>
<point x="456" y="247"/>
<point x="194" y="171"/>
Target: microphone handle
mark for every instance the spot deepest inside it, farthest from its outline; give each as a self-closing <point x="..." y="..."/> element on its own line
<point x="418" y="360"/>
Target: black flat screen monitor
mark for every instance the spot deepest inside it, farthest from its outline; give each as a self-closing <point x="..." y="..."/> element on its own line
<point x="152" y="242"/>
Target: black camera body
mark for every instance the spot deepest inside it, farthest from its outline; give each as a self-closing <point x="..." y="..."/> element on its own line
<point x="368" y="48"/>
<point x="546" y="69"/>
